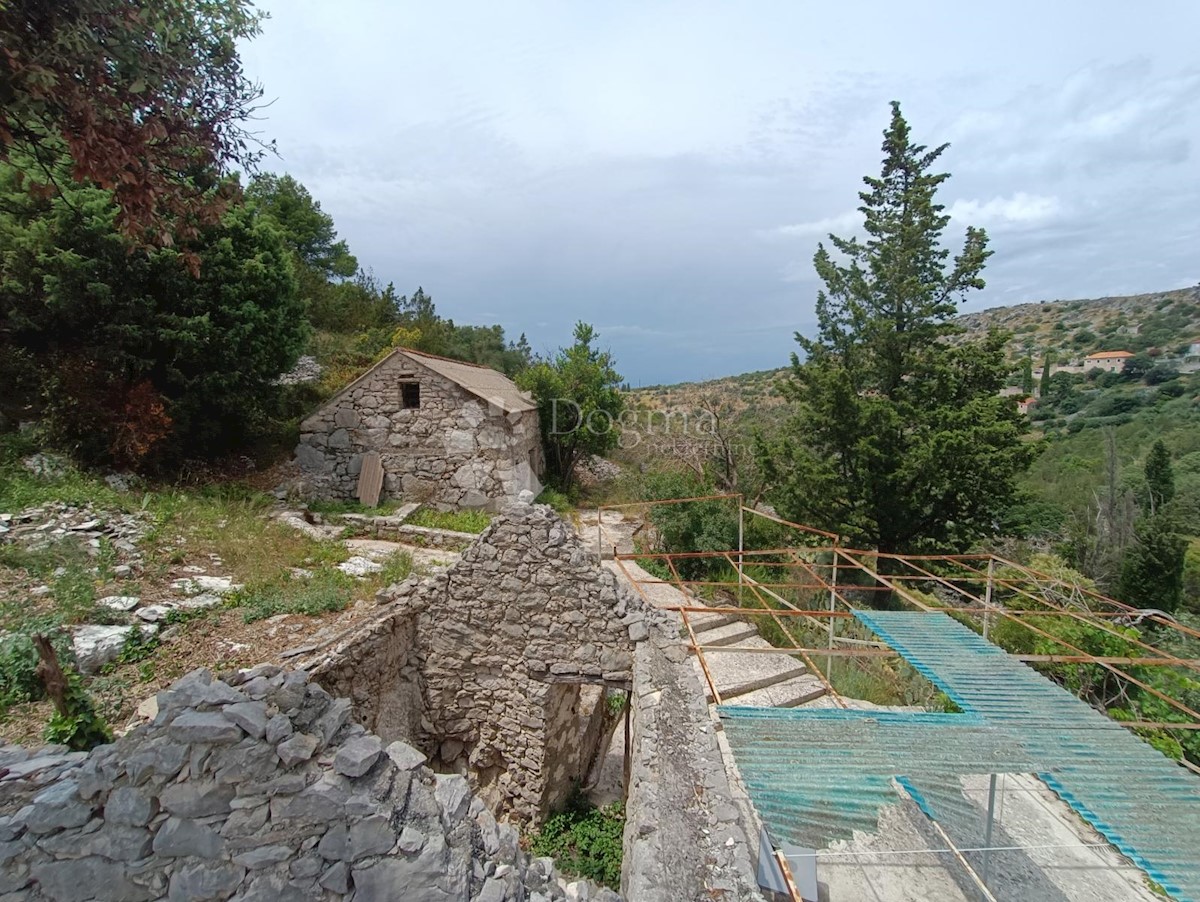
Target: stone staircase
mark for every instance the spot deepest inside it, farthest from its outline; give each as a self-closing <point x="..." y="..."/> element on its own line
<point x="751" y="678"/>
<point x="761" y="679"/>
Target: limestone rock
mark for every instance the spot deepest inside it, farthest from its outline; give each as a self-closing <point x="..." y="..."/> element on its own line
<point x="299" y="747"/>
<point x="357" y="756"/>
<point x="97" y="645"/>
<point x="359" y="566"/>
<point x="122" y="603"/>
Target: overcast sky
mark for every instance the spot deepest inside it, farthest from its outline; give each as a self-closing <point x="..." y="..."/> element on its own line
<point x="665" y="170"/>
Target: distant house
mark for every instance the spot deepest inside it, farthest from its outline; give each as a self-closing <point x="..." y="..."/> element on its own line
<point x="1193" y="351"/>
<point x="1109" y="361"/>
<point x="449" y="433"/>
<point x="1024" y="404"/>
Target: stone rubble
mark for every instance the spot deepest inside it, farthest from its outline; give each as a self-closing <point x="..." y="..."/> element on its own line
<point x="359" y="566"/>
<point x="306" y="369"/>
<point x="39" y="527"/>
<point x="255" y="788"/>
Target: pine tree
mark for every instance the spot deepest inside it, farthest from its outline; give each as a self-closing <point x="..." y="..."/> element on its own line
<point x="901" y="440"/>
<point x="1152" y="569"/>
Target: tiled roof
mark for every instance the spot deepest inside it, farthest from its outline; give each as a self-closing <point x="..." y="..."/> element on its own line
<point x="1103" y="355"/>
<point x="481" y="381"/>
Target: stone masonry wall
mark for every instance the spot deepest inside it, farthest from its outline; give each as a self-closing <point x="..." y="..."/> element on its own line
<point x="257" y="789"/>
<point x="685" y="836"/>
<point x="454" y="450"/>
<point x="509" y="650"/>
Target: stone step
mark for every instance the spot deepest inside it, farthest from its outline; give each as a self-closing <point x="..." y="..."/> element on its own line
<point x="704" y="622"/>
<point x="727" y="634"/>
<point x="738" y="673"/>
<point x="788" y="694"/>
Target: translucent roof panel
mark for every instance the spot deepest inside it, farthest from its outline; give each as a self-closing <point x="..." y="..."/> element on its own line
<point x="818" y="775"/>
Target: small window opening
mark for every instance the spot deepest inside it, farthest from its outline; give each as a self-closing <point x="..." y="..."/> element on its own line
<point x="410" y="395"/>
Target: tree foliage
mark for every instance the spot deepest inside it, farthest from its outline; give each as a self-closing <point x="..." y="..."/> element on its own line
<point x="1160" y="478"/>
<point x="148" y="99"/>
<point x="1152" y="569"/>
<point x="137" y="361"/>
<point x="579" y="404"/>
<point x="307" y="229"/>
<point x="901" y="440"/>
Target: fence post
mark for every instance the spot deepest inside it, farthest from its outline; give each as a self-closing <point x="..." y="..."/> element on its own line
<point x="987" y="831"/>
<point x="987" y="598"/>
<point x="741" y="503"/>
<point x="832" y="599"/>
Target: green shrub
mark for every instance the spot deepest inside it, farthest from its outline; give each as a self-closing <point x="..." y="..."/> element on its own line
<point x="584" y="840"/>
<point x="18" y="671"/>
<point x="81" y="728"/>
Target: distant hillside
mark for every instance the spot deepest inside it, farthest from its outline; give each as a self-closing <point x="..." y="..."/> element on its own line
<point x="1159" y="323"/>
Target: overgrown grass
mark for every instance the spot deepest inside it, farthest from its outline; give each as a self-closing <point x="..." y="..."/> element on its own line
<point x="396" y="567"/>
<point x="459" y="521"/>
<point x="562" y="503"/>
<point x="584" y="840"/>
<point x="230" y="522"/>
<point x="19" y="488"/>
<point x="328" y="589"/>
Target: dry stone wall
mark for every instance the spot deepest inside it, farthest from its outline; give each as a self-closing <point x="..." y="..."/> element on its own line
<point x="508" y="653"/>
<point x="255" y="788"/>
<point x="685" y="835"/>
<point x="454" y="450"/>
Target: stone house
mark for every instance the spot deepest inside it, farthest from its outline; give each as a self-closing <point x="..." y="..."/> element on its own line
<point x="448" y="433"/>
<point x="1109" y="361"/>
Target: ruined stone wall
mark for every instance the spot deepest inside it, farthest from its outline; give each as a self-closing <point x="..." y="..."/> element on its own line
<point x="685" y="835"/>
<point x="256" y="789"/>
<point x="454" y="450"/>
<point x="381" y="678"/>
<point x="510" y="650"/>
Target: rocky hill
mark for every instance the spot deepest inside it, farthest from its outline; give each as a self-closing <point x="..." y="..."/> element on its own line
<point x="1160" y="323"/>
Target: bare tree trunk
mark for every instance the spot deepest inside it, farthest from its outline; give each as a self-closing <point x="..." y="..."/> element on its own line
<point x="51" y="674"/>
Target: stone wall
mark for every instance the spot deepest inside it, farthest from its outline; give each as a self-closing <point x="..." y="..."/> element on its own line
<point x="685" y="835"/>
<point x="258" y="788"/>
<point x="454" y="450"/>
<point x="508" y="651"/>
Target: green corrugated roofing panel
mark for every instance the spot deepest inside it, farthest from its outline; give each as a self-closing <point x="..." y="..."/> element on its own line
<point x="818" y="775"/>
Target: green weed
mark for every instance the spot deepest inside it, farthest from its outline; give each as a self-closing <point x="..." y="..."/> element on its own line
<point x="396" y="568"/>
<point x="326" y="590"/>
<point x="584" y="840"/>
<point x="459" y="521"/>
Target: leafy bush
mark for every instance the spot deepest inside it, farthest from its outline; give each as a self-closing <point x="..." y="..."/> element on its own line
<point x="1111" y="405"/>
<point x="81" y="728"/>
<point x="584" y="840"/>
<point x="694" y="526"/>
<point x="19" y="681"/>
